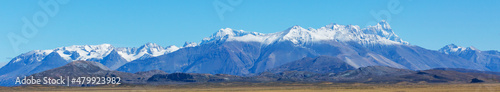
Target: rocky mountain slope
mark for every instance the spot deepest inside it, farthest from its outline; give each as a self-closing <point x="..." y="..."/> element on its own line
<point x="321" y="64"/>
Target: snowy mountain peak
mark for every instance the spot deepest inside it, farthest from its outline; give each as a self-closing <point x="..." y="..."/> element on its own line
<point x="70" y="53"/>
<point x="172" y="48"/>
<point x="190" y="44"/>
<point x="152" y="48"/>
<point x="452" y="48"/>
<point x="86" y="47"/>
<point x="384" y="30"/>
<point x="331" y="26"/>
<point x="224" y="34"/>
<point x="384" y="24"/>
<point x="227" y="31"/>
<point x="296" y="27"/>
<point x="296" y="34"/>
<point x="230" y="32"/>
<point x="378" y="34"/>
<point x="145" y="51"/>
<point x="39" y="52"/>
<point x="84" y="52"/>
<point x="294" y="30"/>
<point x="34" y="56"/>
<point x="151" y="45"/>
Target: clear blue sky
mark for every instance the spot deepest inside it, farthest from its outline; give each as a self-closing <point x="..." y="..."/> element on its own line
<point x="132" y="23"/>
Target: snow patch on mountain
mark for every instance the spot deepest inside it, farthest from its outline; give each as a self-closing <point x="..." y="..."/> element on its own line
<point x="378" y="34"/>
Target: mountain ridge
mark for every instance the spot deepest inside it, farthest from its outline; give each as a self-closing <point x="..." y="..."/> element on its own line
<point x="244" y="53"/>
<point x="378" y="34"/>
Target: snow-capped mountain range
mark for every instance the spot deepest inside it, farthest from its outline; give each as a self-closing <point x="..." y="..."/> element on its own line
<point x="97" y="52"/>
<point x="110" y="56"/>
<point x="378" y="34"/>
<point x="238" y="52"/>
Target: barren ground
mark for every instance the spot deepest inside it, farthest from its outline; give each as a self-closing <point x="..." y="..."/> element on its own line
<point x="271" y="87"/>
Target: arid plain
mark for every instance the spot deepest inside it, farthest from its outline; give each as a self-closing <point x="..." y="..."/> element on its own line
<point x="272" y="87"/>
